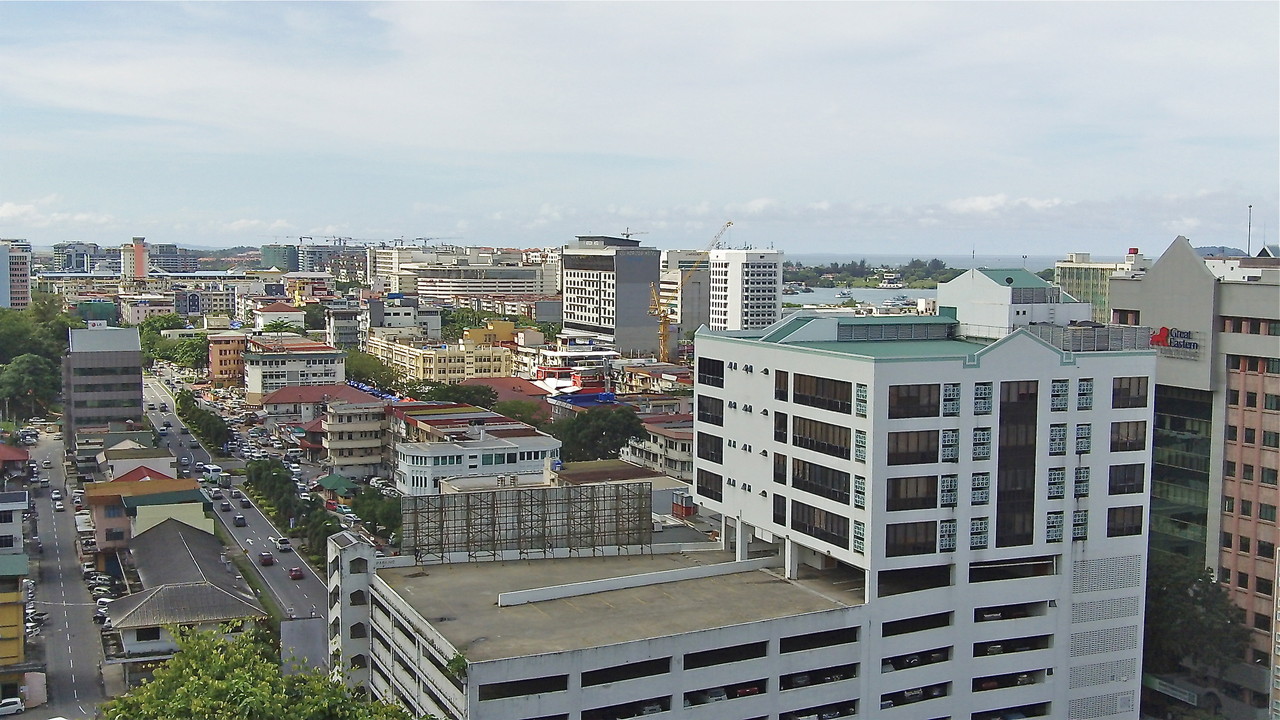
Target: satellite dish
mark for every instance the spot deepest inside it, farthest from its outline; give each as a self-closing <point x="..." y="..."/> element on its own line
<point x="1008" y="280"/>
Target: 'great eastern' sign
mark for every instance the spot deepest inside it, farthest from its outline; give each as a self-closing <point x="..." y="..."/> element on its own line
<point x="1172" y="342"/>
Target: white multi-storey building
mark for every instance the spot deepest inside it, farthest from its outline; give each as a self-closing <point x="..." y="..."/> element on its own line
<point x="275" y="361"/>
<point x="993" y="498"/>
<point x="15" y="274"/>
<point x="746" y="289"/>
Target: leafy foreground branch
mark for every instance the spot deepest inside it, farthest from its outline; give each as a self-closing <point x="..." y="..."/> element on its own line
<point x="216" y="677"/>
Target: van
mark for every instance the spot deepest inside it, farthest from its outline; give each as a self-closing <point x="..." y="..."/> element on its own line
<point x="293" y="453"/>
<point x="103" y="602"/>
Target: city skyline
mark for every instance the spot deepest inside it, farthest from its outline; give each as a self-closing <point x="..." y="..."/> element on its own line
<point x="817" y="128"/>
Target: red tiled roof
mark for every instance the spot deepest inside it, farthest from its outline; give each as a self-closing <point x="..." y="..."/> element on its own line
<point x="142" y="472"/>
<point x="279" y="307"/>
<point x="308" y="394"/>
<point x="9" y="453"/>
<point x="316" y="425"/>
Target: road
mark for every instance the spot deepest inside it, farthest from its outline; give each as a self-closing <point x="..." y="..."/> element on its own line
<point x="306" y="597"/>
<point x="72" y="642"/>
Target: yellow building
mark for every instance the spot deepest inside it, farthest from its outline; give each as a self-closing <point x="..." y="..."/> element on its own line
<point x="13" y="658"/>
<point x="493" y="332"/>
<point x="420" y="359"/>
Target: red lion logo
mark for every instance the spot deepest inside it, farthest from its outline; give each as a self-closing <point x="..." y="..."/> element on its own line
<point x="1161" y="337"/>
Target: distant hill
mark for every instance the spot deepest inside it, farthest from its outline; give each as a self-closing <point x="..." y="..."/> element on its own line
<point x="1221" y="251"/>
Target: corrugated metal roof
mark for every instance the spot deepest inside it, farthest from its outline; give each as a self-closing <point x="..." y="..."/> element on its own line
<point x="105" y="340"/>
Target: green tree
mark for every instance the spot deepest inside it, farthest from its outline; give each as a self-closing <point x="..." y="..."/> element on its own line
<point x="1189" y="617"/>
<point x="596" y="434"/>
<point x="28" y="382"/>
<point x="526" y="411"/>
<point x="478" y="395"/>
<point x="192" y="352"/>
<point x="365" y="368"/>
<point x="313" y="316"/>
<point x="280" y="325"/>
<point x="216" y="677"/>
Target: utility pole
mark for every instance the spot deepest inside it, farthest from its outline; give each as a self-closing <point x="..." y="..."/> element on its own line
<point x="1249" y="235"/>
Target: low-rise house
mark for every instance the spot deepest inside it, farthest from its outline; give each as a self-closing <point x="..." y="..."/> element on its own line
<point x="126" y="456"/>
<point x="115" y="505"/>
<point x="187" y="582"/>
<point x="666" y="446"/>
<point x="304" y="403"/>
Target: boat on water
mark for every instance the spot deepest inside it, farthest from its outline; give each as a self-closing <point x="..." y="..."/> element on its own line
<point x="890" y="281"/>
<point x="806" y="289"/>
<point x="845" y="293"/>
<point x="898" y="301"/>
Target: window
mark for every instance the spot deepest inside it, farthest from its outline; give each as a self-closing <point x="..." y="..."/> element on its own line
<point x="710" y="485"/>
<point x="1227" y="541"/>
<point x="1058" y="395"/>
<point x="1057" y="439"/>
<point x="951" y="400"/>
<point x="1266" y="549"/>
<point x="1246" y="508"/>
<point x="779" y="510"/>
<point x="860" y="401"/>
<point x="1246" y="473"/>
<point x="1251" y="399"/>
<point x="1264" y="586"/>
<point x="821" y="524"/>
<point x="822" y="393"/>
<point x="913" y="447"/>
<point x="1084" y="438"/>
<point x="859" y="491"/>
<point x="918" y="538"/>
<point x="6" y="516"/>
<point x="1126" y="479"/>
<point x="1228" y="504"/>
<point x="1053" y="527"/>
<point x="710" y="410"/>
<point x="1228" y="468"/>
<point x="1271" y="438"/>
<point x="147" y="634"/>
<point x="950" y="445"/>
<point x="1123" y="521"/>
<point x="1266" y="511"/>
<point x="912" y="401"/>
<point x="1244" y="544"/>
<point x="1057" y="483"/>
<point x="711" y="447"/>
<point x="947" y="536"/>
<point x="1269" y="474"/>
<point x="982" y="394"/>
<point x="980" y="488"/>
<point x="1129" y="392"/>
<point x="820" y="437"/>
<point x="820" y="480"/>
<point x="781" y="385"/>
<point x="1269" y="401"/>
<point x="1082" y="482"/>
<point x="1233" y="397"/>
<point x="1129" y="435"/>
<point x="6" y="541"/>
<point x="860" y="445"/>
<point x="979" y="537"/>
<point x="1079" y="524"/>
<point x="982" y="443"/>
<point x="859" y="536"/>
<point x="1232" y="432"/>
<point x="1084" y="394"/>
<point x="711" y="372"/>
<point x="948" y="490"/>
<point x="912" y="493"/>
<point x="780" y="427"/>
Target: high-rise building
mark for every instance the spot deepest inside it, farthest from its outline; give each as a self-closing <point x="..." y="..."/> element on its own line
<point x="607" y="292"/>
<point x="275" y="361"/>
<point x="135" y="262"/>
<point x="15" y="274"/>
<point x="746" y="289"/>
<point x="685" y="288"/>
<point x="283" y="257"/>
<point x="101" y="379"/>
<point x="1217" y="438"/>
<point x="988" y="500"/>
<point x="78" y="257"/>
<point x="315" y="258"/>
<point x="170" y="258"/>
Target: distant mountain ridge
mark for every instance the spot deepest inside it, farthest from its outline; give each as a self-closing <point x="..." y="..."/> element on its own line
<point x="1221" y="251"/>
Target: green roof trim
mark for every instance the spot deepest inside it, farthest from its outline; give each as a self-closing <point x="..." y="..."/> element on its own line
<point x="1015" y="277"/>
<point x="164" y="498"/>
<point x="904" y="319"/>
<point x="15" y="565"/>
<point x="896" y="349"/>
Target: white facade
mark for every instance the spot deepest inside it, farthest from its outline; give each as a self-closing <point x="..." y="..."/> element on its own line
<point x="997" y="302"/>
<point x="993" y="496"/>
<point x="443" y="282"/>
<point x="477" y="461"/>
<point x="12" y="537"/>
<point x="386" y="263"/>
<point x="270" y="365"/>
<point x="746" y="289"/>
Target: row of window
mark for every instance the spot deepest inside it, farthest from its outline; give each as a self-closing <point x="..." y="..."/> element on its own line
<point x="1249" y="436"/>
<point x="1244" y="508"/>
<point x="1249" y="326"/>
<point x="1269" y="476"/>
<point x="1263" y="548"/>
<point x="1269" y="401"/>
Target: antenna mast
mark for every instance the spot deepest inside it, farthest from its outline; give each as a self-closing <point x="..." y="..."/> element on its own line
<point x="1249" y="235"/>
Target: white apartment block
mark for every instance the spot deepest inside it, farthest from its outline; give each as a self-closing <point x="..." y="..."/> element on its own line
<point x="273" y="361"/>
<point x="443" y="282"/>
<point x="15" y="274"/>
<point x="990" y="501"/>
<point x="746" y="289"/>
<point x="1088" y="280"/>
<point x="386" y="263"/>
<point x="475" y="459"/>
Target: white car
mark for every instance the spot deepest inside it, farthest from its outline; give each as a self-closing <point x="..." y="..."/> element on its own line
<point x="11" y="706"/>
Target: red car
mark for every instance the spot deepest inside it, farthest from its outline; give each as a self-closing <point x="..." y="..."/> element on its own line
<point x="266" y="558"/>
<point x="295" y="573"/>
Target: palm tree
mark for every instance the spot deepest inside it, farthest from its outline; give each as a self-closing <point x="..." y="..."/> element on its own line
<point x="280" y="325"/>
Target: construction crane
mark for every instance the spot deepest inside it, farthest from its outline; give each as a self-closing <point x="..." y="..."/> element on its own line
<point x="665" y="311"/>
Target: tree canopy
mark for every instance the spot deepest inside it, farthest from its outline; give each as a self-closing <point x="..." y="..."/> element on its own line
<point x="215" y="677"/>
<point x="1189" y="616"/>
<point x="28" y="382"/>
<point x="365" y="368"/>
<point x="596" y="434"/>
<point x="313" y="316"/>
<point x="280" y="325"/>
<point x="526" y="411"/>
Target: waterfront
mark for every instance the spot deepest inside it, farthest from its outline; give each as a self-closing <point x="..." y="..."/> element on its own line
<point x="875" y="296"/>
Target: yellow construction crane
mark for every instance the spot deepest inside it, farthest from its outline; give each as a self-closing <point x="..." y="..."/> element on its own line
<point x="665" y="311"/>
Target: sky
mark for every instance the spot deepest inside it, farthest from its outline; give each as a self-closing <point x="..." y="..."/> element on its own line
<point x="858" y="127"/>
